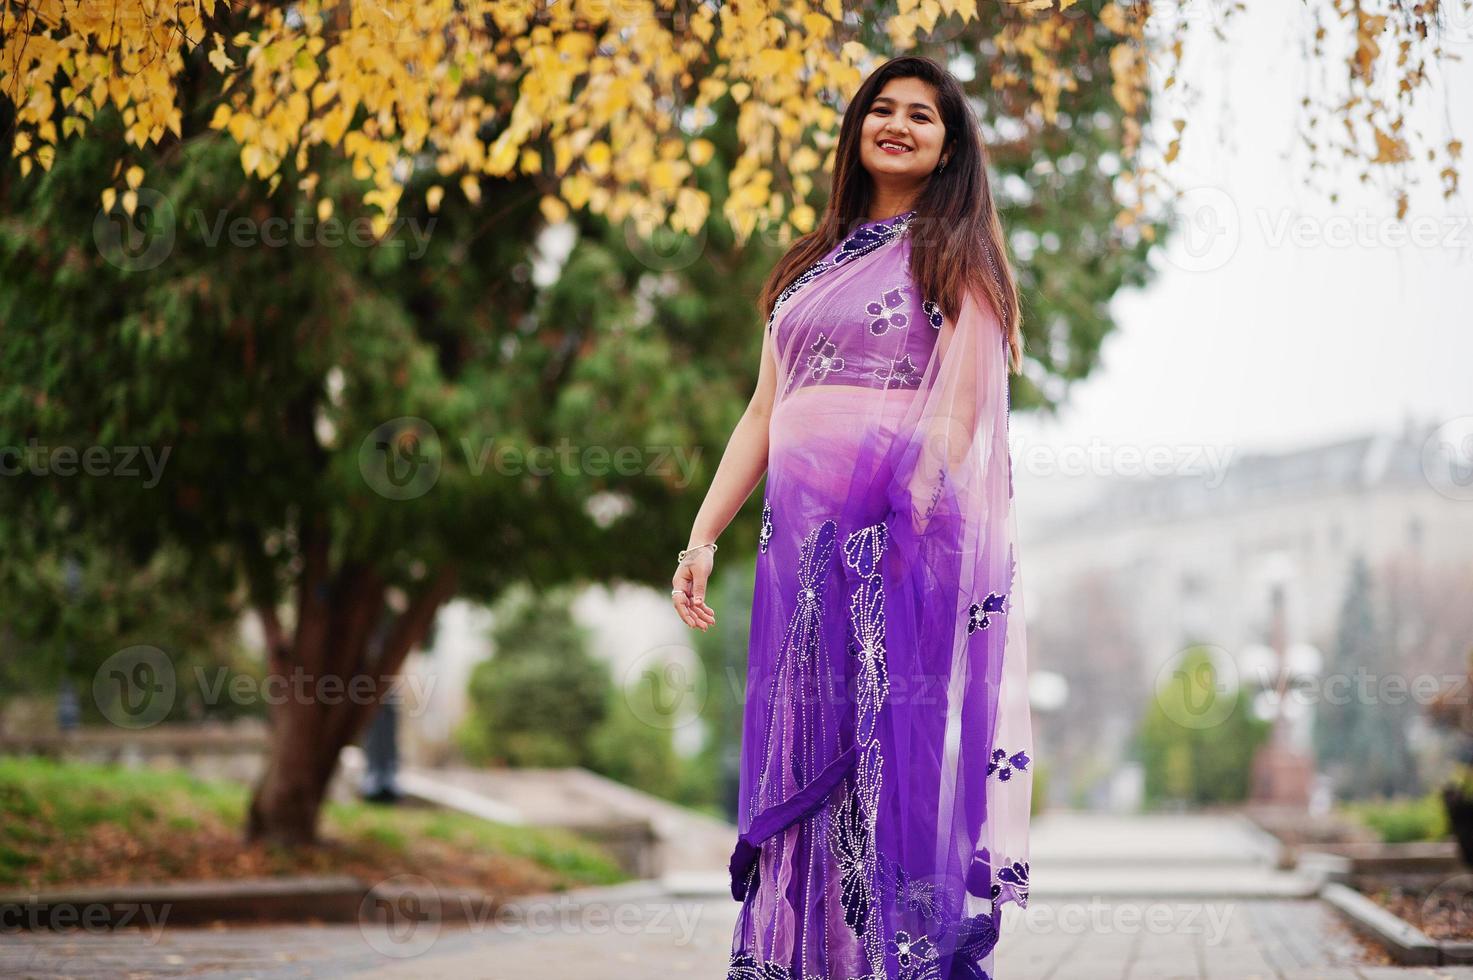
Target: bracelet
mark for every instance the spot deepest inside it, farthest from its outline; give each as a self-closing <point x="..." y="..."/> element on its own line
<point x="686" y="551"/>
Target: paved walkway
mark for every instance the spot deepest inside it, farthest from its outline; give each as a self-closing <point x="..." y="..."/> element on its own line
<point x="1115" y="898"/>
<point x="659" y="939"/>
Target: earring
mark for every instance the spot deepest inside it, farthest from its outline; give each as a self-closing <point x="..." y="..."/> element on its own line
<point x="942" y="167"/>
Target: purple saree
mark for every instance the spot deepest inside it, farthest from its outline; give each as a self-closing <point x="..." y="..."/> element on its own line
<point x="885" y="770"/>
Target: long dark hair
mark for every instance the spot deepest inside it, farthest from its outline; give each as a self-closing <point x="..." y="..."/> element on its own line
<point x="957" y="242"/>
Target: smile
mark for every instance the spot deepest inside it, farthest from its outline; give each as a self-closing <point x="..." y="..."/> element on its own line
<point x="893" y="146"/>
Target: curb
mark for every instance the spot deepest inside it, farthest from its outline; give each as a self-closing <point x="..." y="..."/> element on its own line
<point x="338" y="899"/>
<point x="1407" y="944"/>
<point x="335" y="898"/>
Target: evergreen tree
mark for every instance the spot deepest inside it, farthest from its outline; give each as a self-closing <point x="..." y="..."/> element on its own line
<point x="1361" y="723"/>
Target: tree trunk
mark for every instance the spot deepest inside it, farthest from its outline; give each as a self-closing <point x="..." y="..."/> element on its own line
<point x="331" y="645"/>
<point x="289" y="795"/>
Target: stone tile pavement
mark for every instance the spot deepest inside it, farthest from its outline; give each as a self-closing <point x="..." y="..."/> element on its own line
<point x="1114" y="898"/>
<point x="657" y="938"/>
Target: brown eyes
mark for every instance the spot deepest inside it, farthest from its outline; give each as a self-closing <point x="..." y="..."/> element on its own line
<point x="918" y="117"/>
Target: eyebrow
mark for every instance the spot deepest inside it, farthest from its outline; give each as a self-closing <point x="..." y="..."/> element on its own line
<point x="913" y="105"/>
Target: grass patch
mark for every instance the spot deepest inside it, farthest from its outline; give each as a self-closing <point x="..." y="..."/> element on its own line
<point x="1403" y="819"/>
<point x="71" y="823"/>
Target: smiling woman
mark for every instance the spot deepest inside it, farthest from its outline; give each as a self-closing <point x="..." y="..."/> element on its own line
<point x="886" y="768"/>
<point x="903" y="136"/>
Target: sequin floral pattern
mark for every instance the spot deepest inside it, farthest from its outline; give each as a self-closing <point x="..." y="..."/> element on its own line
<point x="1004" y="765"/>
<point x="933" y="314"/>
<point x="979" y="614"/>
<point x="852" y="824"/>
<point x="824" y="357"/>
<point x="1012" y="876"/>
<point x="803" y="642"/>
<point x="744" y="966"/>
<point x="764" y="534"/>
<point x="900" y="374"/>
<point x="864" y="239"/>
<point x="888" y="312"/>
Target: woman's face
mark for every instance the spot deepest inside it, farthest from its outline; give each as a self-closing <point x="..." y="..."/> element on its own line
<point x="902" y="135"/>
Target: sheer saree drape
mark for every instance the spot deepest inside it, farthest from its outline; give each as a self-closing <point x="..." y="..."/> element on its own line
<point x="886" y="761"/>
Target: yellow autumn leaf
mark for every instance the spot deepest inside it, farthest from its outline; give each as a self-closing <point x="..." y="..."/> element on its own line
<point x="1368" y="49"/>
<point x="577" y="189"/>
<point x="470" y="186"/>
<point x="554" y="211"/>
<point x="701" y="151"/>
<point x="597" y="157"/>
<point x="334" y="125"/>
<point x="692" y="208"/>
<point x="394" y="80"/>
<point x="433" y="197"/>
<point x="220" y="61"/>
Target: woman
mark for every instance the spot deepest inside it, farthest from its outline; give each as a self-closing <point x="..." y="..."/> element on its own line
<point x="886" y="750"/>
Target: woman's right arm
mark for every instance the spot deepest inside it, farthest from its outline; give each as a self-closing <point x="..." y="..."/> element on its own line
<point x="742" y="464"/>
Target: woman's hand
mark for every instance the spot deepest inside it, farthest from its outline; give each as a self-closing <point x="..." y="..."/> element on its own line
<point x="688" y="590"/>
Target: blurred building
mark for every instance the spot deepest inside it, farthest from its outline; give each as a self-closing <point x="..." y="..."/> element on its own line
<point x="1146" y="568"/>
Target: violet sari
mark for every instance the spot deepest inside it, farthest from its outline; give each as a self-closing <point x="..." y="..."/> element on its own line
<point x="886" y="750"/>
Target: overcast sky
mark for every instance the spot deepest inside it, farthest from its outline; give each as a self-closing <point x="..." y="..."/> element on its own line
<point x="1279" y="319"/>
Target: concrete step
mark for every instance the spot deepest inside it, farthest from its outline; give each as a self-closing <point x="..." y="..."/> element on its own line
<point x="649" y="836"/>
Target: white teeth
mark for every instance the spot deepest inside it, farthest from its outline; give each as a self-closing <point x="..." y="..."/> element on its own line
<point x="898" y="146"/>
